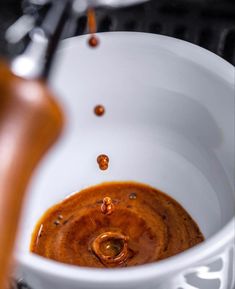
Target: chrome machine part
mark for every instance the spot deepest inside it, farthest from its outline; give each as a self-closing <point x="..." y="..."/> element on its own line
<point x="35" y="61"/>
<point x="80" y="6"/>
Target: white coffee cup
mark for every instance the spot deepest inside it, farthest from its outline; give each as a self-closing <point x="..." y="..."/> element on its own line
<point x="169" y="123"/>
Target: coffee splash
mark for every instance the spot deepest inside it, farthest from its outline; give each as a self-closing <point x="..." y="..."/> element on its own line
<point x="107" y="206"/>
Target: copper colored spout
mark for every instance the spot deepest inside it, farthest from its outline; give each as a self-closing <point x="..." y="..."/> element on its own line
<point x="30" y="122"/>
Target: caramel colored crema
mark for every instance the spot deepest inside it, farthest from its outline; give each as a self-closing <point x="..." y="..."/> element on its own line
<point x="115" y="224"/>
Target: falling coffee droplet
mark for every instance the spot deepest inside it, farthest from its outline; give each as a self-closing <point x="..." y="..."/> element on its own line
<point x="103" y="162"/>
<point x="107" y="206"/>
<point x="132" y="196"/>
<point x="93" y="41"/>
<point x="99" y="110"/>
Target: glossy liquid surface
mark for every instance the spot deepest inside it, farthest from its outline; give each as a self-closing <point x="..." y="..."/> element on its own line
<point x="115" y="225"/>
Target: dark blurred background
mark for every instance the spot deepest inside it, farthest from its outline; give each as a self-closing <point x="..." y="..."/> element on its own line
<point x="208" y="23"/>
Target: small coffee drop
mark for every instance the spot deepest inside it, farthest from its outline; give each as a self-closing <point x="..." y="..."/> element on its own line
<point x="107" y="206"/>
<point x="99" y="110"/>
<point x="132" y="196"/>
<point x="103" y="162"/>
<point x="93" y="41"/>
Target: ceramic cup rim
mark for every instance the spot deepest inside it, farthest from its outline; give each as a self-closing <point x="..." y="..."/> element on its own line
<point x="173" y="264"/>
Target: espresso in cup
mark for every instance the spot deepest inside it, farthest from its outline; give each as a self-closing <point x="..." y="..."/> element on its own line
<point x="116" y="224"/>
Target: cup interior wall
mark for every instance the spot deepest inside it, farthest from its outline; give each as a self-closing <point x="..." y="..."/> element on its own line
<point x="168" y="123"/>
